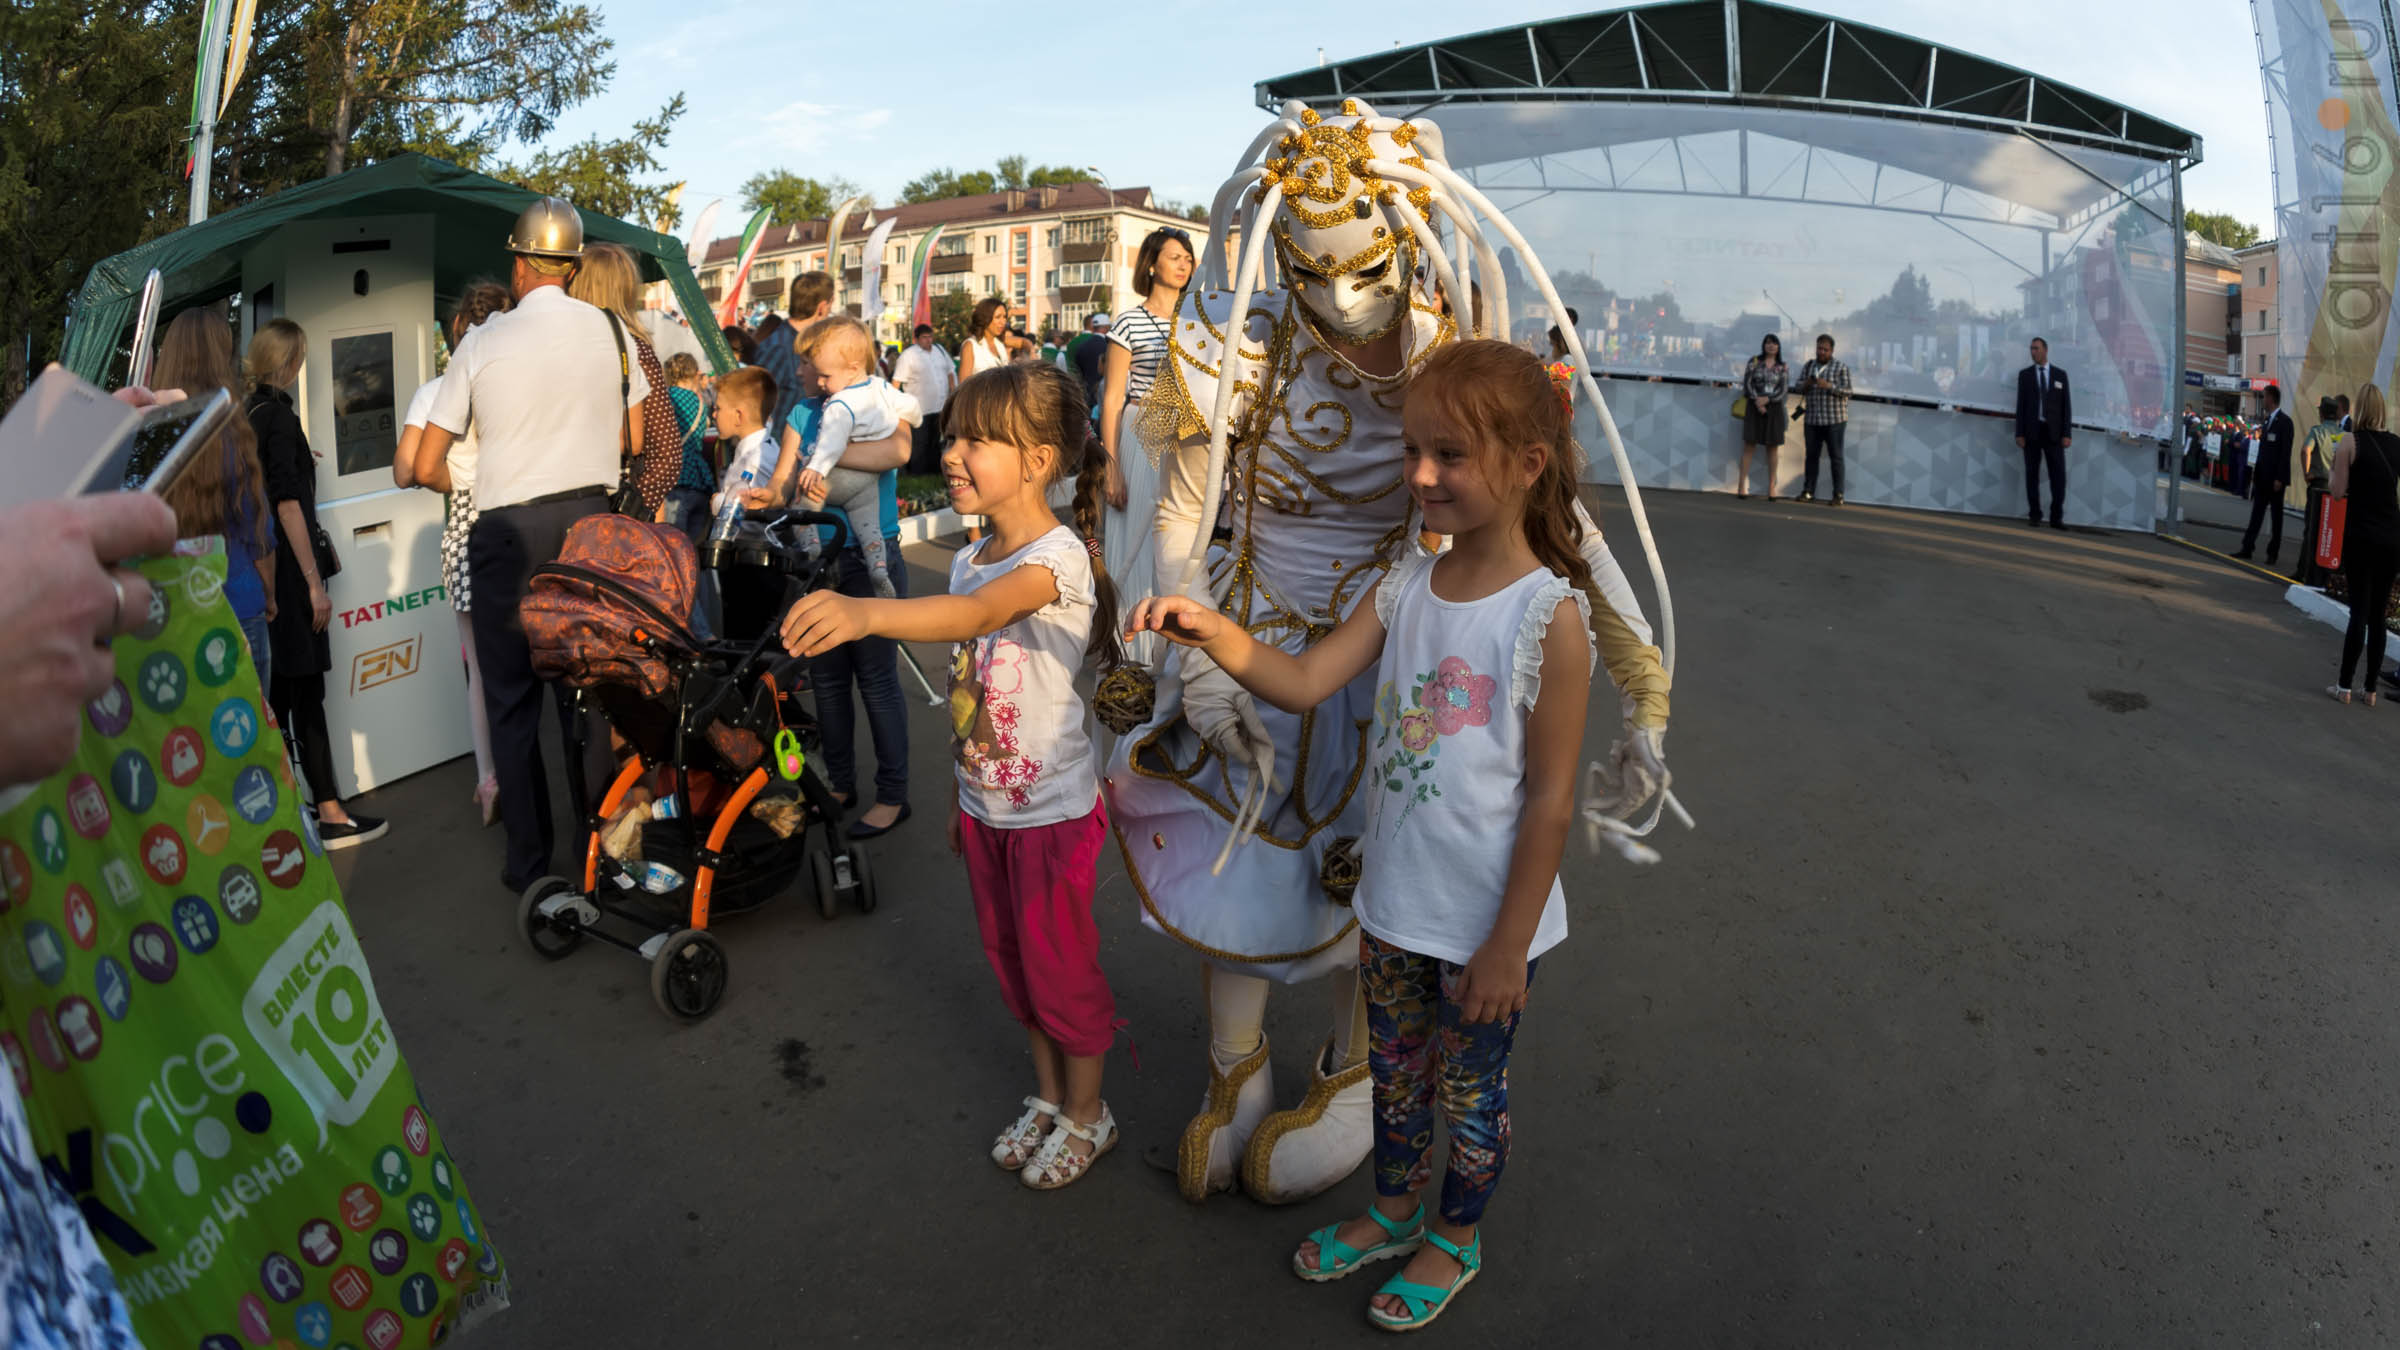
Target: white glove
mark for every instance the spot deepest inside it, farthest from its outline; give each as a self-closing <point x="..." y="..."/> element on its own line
<point x="1634" y="772"/>
<point x="1227" y="717"/>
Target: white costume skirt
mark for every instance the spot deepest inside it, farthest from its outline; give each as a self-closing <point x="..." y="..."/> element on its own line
<point x="1172" y="801"/>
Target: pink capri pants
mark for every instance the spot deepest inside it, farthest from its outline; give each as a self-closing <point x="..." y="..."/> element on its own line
<point x="1033" y="900"/>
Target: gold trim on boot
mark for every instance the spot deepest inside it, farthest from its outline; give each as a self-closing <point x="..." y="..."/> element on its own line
<point x="1224" y="1095"/>
<point x="1256" y="1161"/>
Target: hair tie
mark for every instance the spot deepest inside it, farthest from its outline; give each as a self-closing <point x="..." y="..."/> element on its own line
<point x="1092" y="546"/>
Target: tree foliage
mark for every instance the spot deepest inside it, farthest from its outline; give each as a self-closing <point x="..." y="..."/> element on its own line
<point x="603" y="175"/>
<point x="336" y="80"/>
<point x="794" y="198"/>
<point x="950" y="315"/>
<point x="1010" y="173"/>
<point x="2221" y="229"/>
<point x="91" y="152"/>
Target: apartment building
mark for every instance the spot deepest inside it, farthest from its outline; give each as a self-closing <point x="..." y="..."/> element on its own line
<point x="1056" y="254"/>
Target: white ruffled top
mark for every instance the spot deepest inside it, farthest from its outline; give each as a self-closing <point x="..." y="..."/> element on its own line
<point x="1445" y="765"/>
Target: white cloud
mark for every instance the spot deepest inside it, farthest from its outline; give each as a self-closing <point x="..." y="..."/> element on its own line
<point x="802" y="127"/>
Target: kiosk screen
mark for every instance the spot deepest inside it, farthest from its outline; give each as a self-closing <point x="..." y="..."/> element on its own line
<point x="366" y="422"/>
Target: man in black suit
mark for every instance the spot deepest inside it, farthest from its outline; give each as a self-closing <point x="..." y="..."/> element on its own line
<point x="2269" y="476"/>
<point x="2045" y="428"/>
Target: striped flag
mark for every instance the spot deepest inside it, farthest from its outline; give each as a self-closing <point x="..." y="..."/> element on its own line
<point x="244" y="11"/>
<point x="202" y="95"/>
<point x="921" y="307"/>
<point x="729" y="312"/>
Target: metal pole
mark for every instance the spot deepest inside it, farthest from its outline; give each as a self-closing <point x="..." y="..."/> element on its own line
<point x="2175" y="380"/>
<point x="212" y="75"/>
<point x="1108" y="268"/>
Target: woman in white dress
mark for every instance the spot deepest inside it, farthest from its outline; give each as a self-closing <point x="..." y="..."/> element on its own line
<point x="1138" y="344"/>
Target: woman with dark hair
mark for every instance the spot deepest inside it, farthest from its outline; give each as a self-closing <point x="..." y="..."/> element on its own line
<point x="1138" y="340"/>
<point x="745" y="347"/>
<point x="1764" y="382"/>
<point x="222" y="491"/>
<point x="278" y="351"/>
<point x="986" y="347"/>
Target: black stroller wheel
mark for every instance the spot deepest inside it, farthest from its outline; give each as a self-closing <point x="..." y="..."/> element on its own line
<point x="688" y="975"/>
<point x="820" y="877"/>
<point x="862" y="876"/>
<point x="553" y="938"/>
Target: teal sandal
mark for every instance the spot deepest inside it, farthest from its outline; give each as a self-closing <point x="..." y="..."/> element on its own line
<point x="1424" y="1302"/>
<point x="1336" y="1258"/>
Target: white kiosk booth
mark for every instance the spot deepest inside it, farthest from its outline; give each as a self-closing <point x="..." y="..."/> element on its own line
<point x="369" y="264"/>
<point x="362" y="288"/>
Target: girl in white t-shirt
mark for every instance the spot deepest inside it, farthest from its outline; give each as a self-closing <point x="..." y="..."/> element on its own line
<point x="1486" y="656"/>
<point x="1029" y="607"/>
<point x="480" y="301"/>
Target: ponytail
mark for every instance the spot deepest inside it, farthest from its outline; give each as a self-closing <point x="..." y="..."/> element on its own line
<point x="1107" y="650"/>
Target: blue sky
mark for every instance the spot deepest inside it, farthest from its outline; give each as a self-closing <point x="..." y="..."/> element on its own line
<point x="963" y="82"/>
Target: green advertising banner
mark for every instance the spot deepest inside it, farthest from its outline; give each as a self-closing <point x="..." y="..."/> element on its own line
<point x="191" y="1021"/>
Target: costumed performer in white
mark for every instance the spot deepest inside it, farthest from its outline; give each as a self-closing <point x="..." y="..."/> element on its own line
<point x="1305" y="412"/>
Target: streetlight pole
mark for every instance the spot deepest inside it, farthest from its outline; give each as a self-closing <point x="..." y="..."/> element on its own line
<point x="1109" y="268"/>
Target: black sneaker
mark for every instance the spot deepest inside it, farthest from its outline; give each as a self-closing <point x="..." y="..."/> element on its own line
<point x="1837" y="499"/>
<point x="1808" y="496"/>
<point x="356" y="830"/>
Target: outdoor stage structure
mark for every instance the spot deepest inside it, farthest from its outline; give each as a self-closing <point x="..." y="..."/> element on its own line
<point x="1699" y="174"/>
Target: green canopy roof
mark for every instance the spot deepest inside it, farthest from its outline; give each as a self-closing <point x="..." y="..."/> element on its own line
<point x="203" y="263"/>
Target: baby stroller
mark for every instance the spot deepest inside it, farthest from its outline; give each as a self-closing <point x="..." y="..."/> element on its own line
<point x="718" y="737"/>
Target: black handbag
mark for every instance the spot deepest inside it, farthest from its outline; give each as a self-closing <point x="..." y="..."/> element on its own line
<point x="329" y="563"/>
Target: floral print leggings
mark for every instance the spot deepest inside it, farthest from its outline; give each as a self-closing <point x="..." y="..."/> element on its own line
<point x="1424" y="1053"/>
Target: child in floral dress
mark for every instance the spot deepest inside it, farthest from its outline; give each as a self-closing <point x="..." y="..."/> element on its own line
<point x="1486" y="656"/>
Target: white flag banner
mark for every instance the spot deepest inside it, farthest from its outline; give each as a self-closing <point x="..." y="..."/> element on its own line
<point x="870" y="273"/>
<point x="2328" y="70"/>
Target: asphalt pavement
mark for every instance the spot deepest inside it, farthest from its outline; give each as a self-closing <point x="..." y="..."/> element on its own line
<point x="2029" y="981"/>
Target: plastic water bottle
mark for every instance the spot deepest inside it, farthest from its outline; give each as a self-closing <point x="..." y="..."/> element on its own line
<point x="730" y="513"/>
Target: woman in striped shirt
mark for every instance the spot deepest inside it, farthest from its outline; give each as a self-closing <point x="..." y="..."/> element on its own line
<point x="1138" y="341"/>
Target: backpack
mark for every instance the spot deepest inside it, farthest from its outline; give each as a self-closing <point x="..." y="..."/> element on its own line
<point x="619" y="585"/>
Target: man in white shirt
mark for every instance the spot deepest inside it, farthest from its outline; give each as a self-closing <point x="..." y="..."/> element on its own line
<point x="928" y="375"/>
<point x="556" y="416"/>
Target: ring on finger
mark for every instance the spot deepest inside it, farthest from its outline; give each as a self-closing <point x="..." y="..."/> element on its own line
<point x="116" y="612"/>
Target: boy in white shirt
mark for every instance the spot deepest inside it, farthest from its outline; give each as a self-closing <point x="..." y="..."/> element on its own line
<point x="859" y="406"/>
<point x="743" y="397"/>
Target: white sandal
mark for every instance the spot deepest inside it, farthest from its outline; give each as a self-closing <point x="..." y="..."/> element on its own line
<point x="1018" y="1143"/>
<point x="2337" y="693"/>
<point x="1057" y="1164"/>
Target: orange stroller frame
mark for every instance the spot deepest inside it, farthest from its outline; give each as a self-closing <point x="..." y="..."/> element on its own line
<point x="726" y="714"/>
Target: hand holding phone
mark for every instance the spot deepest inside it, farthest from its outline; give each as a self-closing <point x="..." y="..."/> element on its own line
<point x="61" y="599"/>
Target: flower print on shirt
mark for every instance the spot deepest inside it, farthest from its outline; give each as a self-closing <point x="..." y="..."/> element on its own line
<point x="984" y="676"/>
<point x="1443" y="702"/>
<point x="1456" y="696"/>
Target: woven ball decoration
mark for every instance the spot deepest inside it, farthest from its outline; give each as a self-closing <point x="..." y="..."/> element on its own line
<point x="1339" y="873"/>
<point x="1124" y="699"/>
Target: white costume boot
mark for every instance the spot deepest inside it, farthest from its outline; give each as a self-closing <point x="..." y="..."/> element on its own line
<point x="1241" y="1087"/>
<point x="1302" y="1152"/>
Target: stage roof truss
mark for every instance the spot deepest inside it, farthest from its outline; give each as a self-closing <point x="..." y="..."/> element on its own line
<point x="1741" y="52"/>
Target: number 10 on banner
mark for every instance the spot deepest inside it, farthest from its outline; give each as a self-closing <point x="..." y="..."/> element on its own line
<point x="314" y="1011"/>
